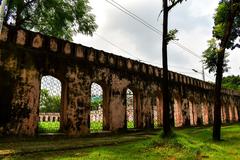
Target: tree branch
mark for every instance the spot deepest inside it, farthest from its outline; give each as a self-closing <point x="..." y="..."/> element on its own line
<point x="28" y="3"/>
<point x="174" y="3"/>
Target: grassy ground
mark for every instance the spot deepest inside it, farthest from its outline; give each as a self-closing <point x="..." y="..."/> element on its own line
<point x="191" y="143"/>
<point x="53" y="127"/>
<point x="48" y="127"/>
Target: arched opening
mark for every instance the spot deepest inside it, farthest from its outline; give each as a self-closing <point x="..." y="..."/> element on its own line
<point x="205" y="113"/>
<point x="158" y="112"/>
<point x="50" y="105"/>
<point x="130" y="109"/>
<point x="185" y="112"/>
<point x="96" y="113"/>
<point x="192" y="113"/>
<point x="177" y="109"/>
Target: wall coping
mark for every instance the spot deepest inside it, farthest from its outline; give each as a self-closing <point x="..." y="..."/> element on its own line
<point x="38" y="41"/>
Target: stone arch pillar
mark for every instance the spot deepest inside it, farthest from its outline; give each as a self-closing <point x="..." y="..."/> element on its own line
<point x="199" y="114"/>
<point x="159" y="109"/>
<point x="185" y="112"/>
<point x="147" y="110"/>
<point x="117" y="103"/>
<point x="205" y="114"/>
<point x="78" y="102"/>
<point x="24" y="114"/>
<point x="106" y="99"/>
<point x="192" y="112"/>
<point x="210" y="112"/>
<point x="223" y="113"/>
<point x="230" y="113"/>
<point x="177" y="109"/>
<point x="23" y="95"/>
<point x="138" y="108"/>
<point x="236" y="114"/>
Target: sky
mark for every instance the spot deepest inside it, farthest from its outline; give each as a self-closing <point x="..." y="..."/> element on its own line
<point x="120" y="34"/>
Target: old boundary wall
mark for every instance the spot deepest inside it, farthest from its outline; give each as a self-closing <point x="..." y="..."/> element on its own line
<point x="25" y="57"/>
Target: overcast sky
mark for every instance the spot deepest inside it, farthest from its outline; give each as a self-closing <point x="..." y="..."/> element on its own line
<point x="193" y="19"/>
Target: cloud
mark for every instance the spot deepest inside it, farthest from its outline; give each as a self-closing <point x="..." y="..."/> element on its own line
<point x="193" y="19"/>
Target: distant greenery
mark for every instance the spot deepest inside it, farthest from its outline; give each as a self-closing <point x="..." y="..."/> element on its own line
<point x="51" y="104"/>
<point x="48" y="103"/>
<point x="231" y="82"/>
<point x="96" y="101"/>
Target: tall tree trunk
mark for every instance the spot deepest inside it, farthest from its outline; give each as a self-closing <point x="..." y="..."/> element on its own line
<point x="218" y="86"/>
<point x="166" y="109"/>
<point x="6" y="18"/>
<point x="2" y="10"/>
<point x="20" y="7"/>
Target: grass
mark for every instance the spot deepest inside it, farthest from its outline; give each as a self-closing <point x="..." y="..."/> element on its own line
<point x="48" y="127"/>
<point x="53" y="127"/>
<point x="186" y="144"/>
<point x="96" y="126"/>
<point x="130" y="124"/>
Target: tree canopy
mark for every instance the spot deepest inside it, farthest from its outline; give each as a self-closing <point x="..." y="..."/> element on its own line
<point x="96" y="102"/>
<point x="226" y="30"/>
<point x="49" y="103"/>
<point x="210" y="57"/>
<point x="220" y="19"/>
<point x="58" y="18"/>
<point x="231" y="82"/>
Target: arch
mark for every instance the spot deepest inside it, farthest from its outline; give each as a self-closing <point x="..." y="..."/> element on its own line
<point x="177" y="109"/>
<point x="96" y="108"/>
<point x="205" y="114"/>
<point x="158" y="110"/>
<point x="230" y="113"/>
<point x="185" y="112"/>
<point x="50" y="102"/>
<point x="130" y="109"/>
<point x="223" y="113"/>
<point x="236" y="114"/>
<point x="192" y="112"/>
<point x="211" y="112"/>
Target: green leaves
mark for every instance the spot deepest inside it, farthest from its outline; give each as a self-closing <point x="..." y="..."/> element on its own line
<point x="49" y="103"/>
<point x="220" y="19"/>
<point x="210" y="57"/>
<point x="231" y="82"/>
<point x="58" y="18"/>
<point x="96" y="102"/>
<point x="225" y="10"/>
<point x="171" y="35"/>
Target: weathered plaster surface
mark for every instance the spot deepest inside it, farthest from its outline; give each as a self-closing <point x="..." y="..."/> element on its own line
<point x="26" y="56"/>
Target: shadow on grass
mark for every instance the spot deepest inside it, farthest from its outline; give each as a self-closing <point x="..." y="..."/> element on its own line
<point x="184" y="144"/>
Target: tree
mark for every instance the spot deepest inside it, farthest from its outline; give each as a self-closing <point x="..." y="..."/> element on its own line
<point x="49" y="103"/>
<point x="231" y="82"/>
<point x="226" y="30"/>
<point x="210" y="57"/>
<point x="167" y="36"/>
<point x="58" y="18"/>
<point x="96" y="102"/>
